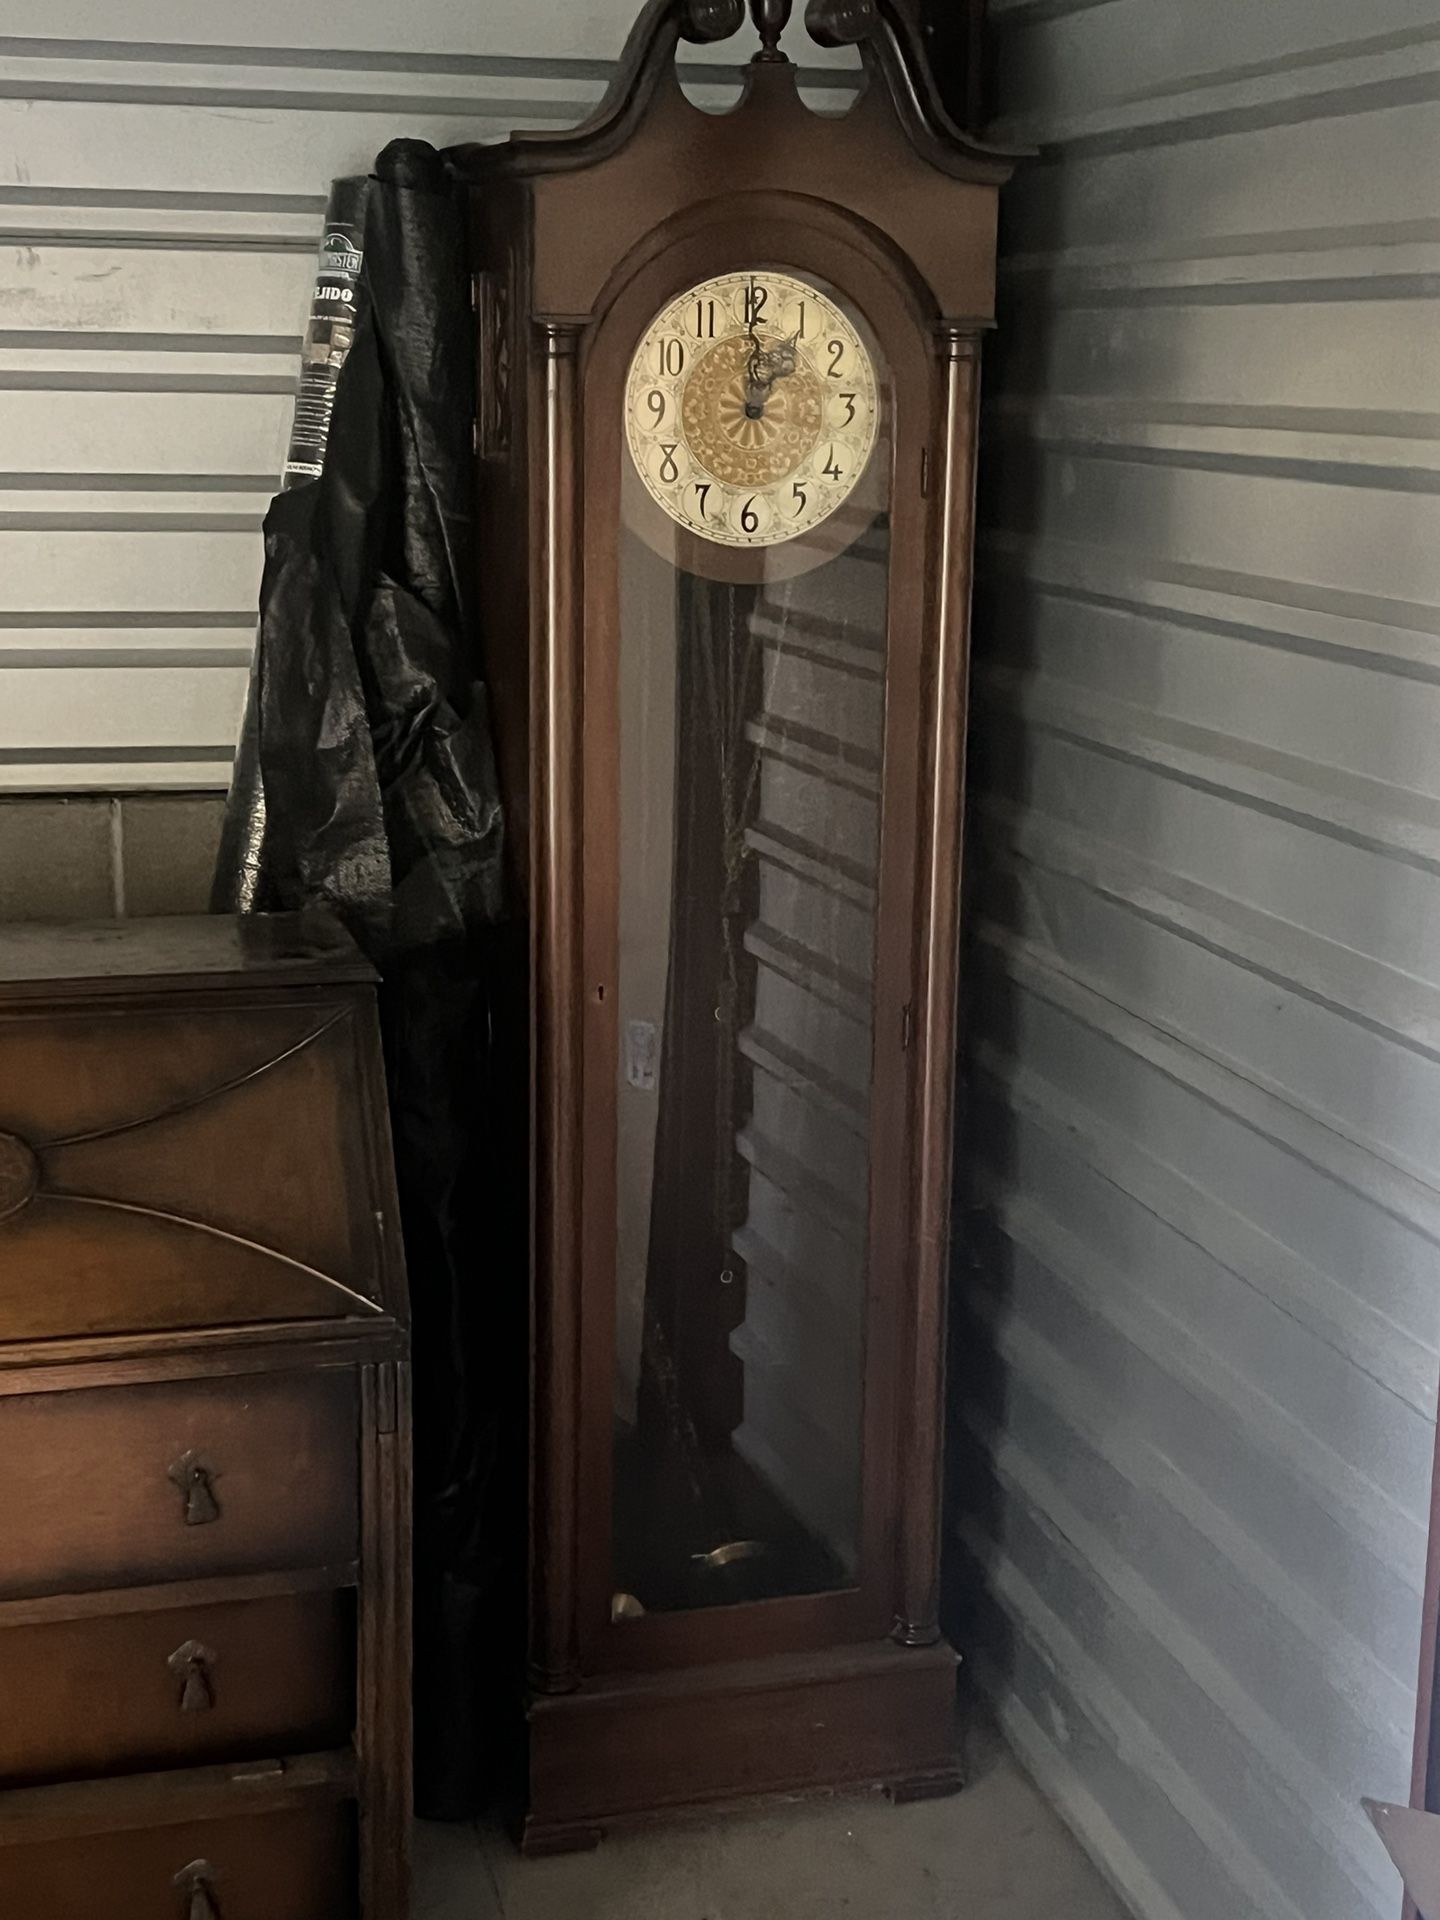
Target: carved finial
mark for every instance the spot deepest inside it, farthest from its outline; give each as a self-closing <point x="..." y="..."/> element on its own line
<point x="840" y="23"/>
<point x="771" y="18"/>
<point x="704" y="21"/>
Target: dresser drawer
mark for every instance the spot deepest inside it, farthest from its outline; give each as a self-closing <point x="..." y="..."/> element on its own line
<point x="175" y="1688"/>
<point x="296" y="1865"/>
<point x="136" y="1486"/>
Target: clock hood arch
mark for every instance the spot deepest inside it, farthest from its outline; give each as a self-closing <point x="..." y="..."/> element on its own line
<point x="731" y="232"/>
<point x="895" y="160"/>
<point x="891" y="48"/>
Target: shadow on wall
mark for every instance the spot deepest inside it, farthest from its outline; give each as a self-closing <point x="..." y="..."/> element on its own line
<point x="1058" y="1275"/>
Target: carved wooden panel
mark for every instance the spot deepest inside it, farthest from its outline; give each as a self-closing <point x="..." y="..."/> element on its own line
<point x="492" y="342"/>
<point x="183" y="1168"/>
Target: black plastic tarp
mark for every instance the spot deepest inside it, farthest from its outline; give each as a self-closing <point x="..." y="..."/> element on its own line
<point x="366" y="784"/>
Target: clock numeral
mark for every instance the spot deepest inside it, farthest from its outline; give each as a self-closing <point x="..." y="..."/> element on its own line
<point x="785" y="316"/>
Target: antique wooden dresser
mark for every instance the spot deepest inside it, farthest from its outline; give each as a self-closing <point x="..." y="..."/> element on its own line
<point x="204" y="1524"/>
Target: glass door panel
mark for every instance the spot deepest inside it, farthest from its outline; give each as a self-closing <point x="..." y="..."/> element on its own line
<point x="752" y="709"/>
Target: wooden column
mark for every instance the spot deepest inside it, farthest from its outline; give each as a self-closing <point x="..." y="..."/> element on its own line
<point x="922" y="1391"/>
<point x="556" y="667"/>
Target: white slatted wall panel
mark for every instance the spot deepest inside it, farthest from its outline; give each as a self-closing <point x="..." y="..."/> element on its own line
<point x="1206" y="966"/>
<point x="161" y="196"/>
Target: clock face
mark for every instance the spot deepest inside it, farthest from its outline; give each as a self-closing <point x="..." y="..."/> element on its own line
<point x="751" y="408"/>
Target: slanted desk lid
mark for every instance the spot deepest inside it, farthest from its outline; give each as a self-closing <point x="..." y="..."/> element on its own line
<point x="186" y="951"/>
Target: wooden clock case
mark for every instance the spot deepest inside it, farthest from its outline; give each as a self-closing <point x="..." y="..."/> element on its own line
<point x="579" y="240"/>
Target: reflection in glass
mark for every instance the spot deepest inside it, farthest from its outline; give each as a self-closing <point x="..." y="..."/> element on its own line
<point x="751" y="723"/>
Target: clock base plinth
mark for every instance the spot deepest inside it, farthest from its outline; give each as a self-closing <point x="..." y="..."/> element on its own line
<point x="626" y="1750"/>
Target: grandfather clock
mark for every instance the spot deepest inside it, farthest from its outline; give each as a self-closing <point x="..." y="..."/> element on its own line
<point x="726" y="433"/>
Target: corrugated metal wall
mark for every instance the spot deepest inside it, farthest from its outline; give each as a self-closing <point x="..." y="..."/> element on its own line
<point x="1201" y="1344"/>
<point x="161" y="197"/>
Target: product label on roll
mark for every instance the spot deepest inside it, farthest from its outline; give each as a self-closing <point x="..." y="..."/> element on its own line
<point x="329" y="335"/>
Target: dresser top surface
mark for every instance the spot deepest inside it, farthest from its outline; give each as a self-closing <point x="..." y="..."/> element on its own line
<point x="193" y="950"/>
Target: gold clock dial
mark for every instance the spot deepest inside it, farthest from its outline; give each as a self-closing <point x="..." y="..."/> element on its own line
<point x="751" y="408"/>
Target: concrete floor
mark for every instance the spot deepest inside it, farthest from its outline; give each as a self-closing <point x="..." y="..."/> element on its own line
<point x="995" y="1852"/>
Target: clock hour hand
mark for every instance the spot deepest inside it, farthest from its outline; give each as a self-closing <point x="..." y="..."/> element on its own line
<point x="765" y="367"/>
<point x="757" y="388"/>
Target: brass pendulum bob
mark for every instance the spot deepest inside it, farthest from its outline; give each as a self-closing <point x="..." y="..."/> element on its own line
<point x="729" y="1553"/>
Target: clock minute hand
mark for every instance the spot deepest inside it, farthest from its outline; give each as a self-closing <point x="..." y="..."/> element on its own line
<point x="765" y="367"/>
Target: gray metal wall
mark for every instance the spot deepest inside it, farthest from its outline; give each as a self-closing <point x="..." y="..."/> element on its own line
<point x="1201" y="1345"/>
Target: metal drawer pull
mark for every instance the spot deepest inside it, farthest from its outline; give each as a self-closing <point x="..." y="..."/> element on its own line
<point x="193" y="1478"/>
<point x="198" y="1880"/>
<point x="191" y="1666"/>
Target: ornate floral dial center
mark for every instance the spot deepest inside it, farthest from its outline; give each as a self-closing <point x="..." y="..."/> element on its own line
<point x="739" y="446"/>
<point x="19" y="1174"/>
<point x="752" y="407"/>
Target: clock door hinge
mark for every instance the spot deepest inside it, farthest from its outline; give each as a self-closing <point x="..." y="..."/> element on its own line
<point x="925" y="473"/>
<point x="907" y="1026"/>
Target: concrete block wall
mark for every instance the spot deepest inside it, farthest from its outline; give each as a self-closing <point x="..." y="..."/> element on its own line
<point x="94" y="856"/>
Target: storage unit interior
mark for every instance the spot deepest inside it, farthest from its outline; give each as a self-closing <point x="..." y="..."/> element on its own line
<point x="1201" y="1050"/>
